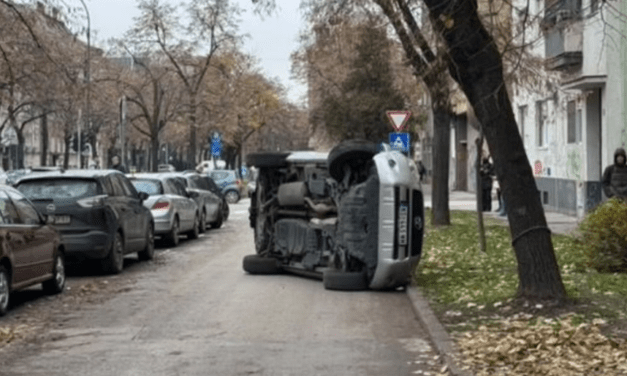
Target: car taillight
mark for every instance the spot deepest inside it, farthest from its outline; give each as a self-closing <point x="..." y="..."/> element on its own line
<point x="91" y="202"/>
<point x="161" y="205"/>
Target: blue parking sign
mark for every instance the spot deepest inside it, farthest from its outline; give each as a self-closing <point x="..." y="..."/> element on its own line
<point x="216" y="147"/>
<point x="400" y="142"/>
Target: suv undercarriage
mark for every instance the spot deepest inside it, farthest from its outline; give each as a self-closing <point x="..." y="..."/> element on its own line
<point x="354" y="217"/>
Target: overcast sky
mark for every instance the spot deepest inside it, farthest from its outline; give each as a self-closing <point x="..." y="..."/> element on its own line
<point x="271" y="41"/>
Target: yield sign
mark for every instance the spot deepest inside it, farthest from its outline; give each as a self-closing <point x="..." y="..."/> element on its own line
<point x="398" y="118"/>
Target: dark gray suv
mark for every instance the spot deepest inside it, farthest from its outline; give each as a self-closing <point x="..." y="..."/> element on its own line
<point x="99" y="214"/>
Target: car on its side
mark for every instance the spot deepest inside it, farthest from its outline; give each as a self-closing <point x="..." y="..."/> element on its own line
<point x="31" y="251"/>
<point x="99" y="214"/>
<point x="229" y="182"/>
<point x="173" y="208"/>
<point x="352" y="217"/>
<point x="208" y="202"/>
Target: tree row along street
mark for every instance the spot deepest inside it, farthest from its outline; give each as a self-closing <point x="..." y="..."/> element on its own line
<point x="194" y="311"/>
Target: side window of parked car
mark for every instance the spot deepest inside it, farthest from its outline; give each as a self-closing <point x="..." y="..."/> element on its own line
<point x="179" y="187"/>
<point x="25" y="210"/>
<point x="7" y="210"/>
<point x="129" y="189"/>
<point x="116" y="183"/>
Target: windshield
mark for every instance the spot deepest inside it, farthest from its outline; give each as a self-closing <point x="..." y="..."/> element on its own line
<point x="58" y="188"/>
<point x="149" y="186"/>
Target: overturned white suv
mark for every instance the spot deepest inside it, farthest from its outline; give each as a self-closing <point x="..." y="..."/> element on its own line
<point x="353" y="217"/>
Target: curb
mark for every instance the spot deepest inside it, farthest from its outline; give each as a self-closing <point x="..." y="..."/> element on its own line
<point x="439" y="336"/>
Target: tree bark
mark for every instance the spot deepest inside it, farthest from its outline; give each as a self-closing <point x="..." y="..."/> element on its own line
<point x="477" y="66"/>
<point x="43" y="129"/>
<point x="441" y="155"/>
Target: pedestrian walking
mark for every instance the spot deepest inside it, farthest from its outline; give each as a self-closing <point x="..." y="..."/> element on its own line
<point x="422" y="171"/>
<point x="487" y="173"/>
<point x="117" y="164"/>
<point x="614" y="179"/>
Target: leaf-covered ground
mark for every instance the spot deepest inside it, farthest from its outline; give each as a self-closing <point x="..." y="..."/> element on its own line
<point x="473" y="295"/>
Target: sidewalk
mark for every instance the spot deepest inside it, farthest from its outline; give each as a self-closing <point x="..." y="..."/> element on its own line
<point x="461" y="200"/>
<point x="444" y="345"/>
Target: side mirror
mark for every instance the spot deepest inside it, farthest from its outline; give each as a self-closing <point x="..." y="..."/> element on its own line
<point x="143" y="196"/>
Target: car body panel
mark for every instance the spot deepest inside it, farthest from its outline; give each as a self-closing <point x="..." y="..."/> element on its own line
<point x="26" y="241"/>
<point x="227" y="180"/>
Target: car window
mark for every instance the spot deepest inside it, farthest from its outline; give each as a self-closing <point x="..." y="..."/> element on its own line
<point x="8" y="213"/>
<point x="219" y="175"/>
<point x="196" y="182"/>
<point x="43" y="189"/>
<point x="118" y="186"/>
<point x="176" y="187"/>
<point x="211" y="185"/>
<point x="26" y="211"/>
<point x="129" y="189"/>
<point x="151" y="186"/>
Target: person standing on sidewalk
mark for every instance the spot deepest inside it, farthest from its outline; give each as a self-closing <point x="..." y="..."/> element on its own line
<point x="117" y="164"/>
<point x="487" y="173"/>
<point x="615" y="176"/>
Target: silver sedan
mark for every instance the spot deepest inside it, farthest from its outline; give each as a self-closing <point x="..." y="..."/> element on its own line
<point x="173" y="208"/>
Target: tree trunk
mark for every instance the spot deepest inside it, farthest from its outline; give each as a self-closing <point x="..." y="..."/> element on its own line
<point x="477" y="66"/>
<point x="191" y="152"/>
<point x="154" y="154"/>
<point x="43" y="129"/>
<point x="441" y="155"/>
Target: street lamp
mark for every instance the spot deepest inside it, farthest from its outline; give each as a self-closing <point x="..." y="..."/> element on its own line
<point x="88" y="99"/>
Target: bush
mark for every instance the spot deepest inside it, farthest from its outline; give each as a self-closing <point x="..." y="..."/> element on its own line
<point x="604" y="235"/>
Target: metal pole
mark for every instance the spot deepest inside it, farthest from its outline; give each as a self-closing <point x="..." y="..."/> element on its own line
<point x="88" y="76"/>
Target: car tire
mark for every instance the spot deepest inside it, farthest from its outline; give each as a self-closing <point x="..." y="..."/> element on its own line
<point x="267" y="159"/>
<point x="347" y="151"/>
<point x="193" y="233"/>
<point x="5" y="290"/>
<point x="202" y="225"/>
<point x="56" y="284"/>
<point x="172" y="237"/>
<point x="219" y="221"/>
<point x="148" y="253"/>
<point x="334" y="279"/>
<point x="114" y="263"/>
<point x="255" y="264"/>
<point x="232" y="196"/>
<point x="227" y="211"/>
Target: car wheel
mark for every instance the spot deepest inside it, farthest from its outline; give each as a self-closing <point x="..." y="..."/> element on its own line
<point x="267" y="159"/>
<point x="218" y="222"/>
<point x="56" y="284"/>
<point x="148" y="253"/>
<point x="202" y="225"/>
<point x="255" y="264"/>
<point x="5" y="290"/>
<point x="193" y="233"/>
<point x="232" y="197"/>
<point x="114" y="263"/>
<point x="334" y="279"/>
<point x="173" y="236"/>
<point x="226" y="211"/>
<point x="346" y="152"/>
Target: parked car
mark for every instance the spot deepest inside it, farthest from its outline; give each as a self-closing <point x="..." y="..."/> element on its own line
<point x="213" y="187"/>
<point x="31" y="250"/>
<point x="353" y="217"/>
<point x="208" y="202"/>
<point x="99" y="214"/>
<point x="173" y="208"/>
<point x="229" y="182"/>
<point x="166" y="168"/>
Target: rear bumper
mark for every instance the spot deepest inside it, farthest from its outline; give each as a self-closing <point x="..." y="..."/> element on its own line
<point x="163" y="223"/>
<point x="90" y="244"/>
<point x="393" y="273"/>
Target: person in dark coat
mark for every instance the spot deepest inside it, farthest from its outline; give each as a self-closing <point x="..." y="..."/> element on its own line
<point x="487" y="173"/>
<point x="117" y="165"/>
<point x="421" y="171"/>
<point x="614" y="179"/>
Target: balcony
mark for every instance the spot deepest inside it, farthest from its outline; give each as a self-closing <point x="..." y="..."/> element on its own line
<point x="563" y="46"/>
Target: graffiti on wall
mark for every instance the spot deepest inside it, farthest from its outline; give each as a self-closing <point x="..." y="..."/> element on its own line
<point x="574" y="165"/>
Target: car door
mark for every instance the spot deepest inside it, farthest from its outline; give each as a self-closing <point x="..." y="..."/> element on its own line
<point x="188" y="206"/>
<point x="130" y="213"/>
<point x="212" y="201"/>
<point x="39" y="238"/>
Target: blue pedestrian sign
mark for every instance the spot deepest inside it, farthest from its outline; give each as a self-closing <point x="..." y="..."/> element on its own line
<point x="400" y="142"/>
<point x="216" y="145"/>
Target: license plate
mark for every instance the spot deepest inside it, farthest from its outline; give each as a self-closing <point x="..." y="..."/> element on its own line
<point x="403" y="210"/>
<point x="61" y="219"/>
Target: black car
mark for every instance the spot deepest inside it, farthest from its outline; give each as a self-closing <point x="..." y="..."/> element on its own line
<point x="99" y="214"/>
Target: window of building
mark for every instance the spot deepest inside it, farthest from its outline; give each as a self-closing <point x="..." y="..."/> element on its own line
<point x="522" y="116"/>
<point x="571" y="121"/>
<point x="540" y="124"/>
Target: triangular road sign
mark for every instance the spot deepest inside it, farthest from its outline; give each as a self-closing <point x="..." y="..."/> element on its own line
<point x="398" y="118"/>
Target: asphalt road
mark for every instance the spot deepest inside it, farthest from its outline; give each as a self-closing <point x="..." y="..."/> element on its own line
<point x="194" y="311"/>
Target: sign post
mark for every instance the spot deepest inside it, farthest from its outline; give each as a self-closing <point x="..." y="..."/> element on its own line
<point x="399" y="141"/>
